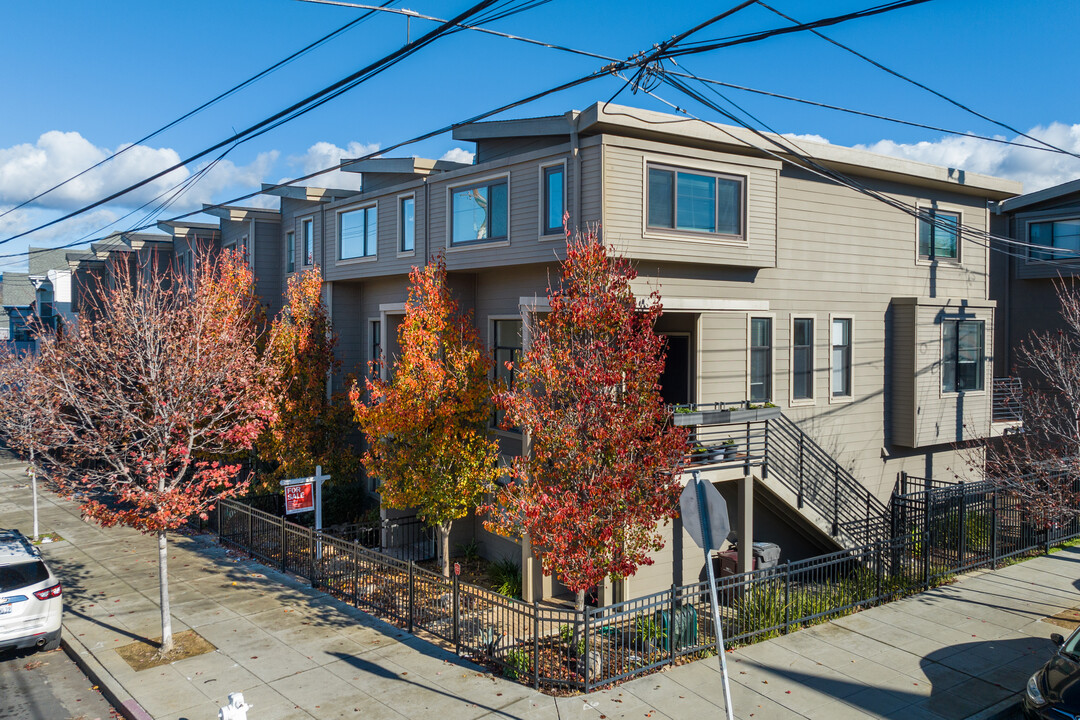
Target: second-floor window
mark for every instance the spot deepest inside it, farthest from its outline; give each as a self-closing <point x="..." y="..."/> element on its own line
<point x="358" y="233"/>
<point x="479" y="213"/>
<point x="939" y="232"/>
<point x="802" y="359"/>
<point x="554" y="196"/>
<point x="841" y="357"/>
<point x="290" y="252"/>
<point x="761" y="359"/>
<point x="407" y="225"/>
<point x="307" y="231"/>
<point x="694" y="201"/>
<point x="507" y="348"/>
<point x="962" y="355"/>
<point x="1061" y="235"/>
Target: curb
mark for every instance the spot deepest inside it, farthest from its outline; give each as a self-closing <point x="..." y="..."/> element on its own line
<point x="109" y="686"/>
<point x="1007" y="708"/>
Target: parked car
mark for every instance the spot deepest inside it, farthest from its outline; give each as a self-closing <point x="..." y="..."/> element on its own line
<point x="31" y="607"/>
<point x="1054" y="691"/>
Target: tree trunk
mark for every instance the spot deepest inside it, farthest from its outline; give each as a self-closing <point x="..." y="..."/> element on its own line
<point x="579" y="616"/>
<point x="444" y="548"/>
<point x="163" y="583"/>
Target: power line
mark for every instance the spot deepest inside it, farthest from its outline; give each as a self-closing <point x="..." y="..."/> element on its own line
<point x="918" y="84"/>
<point x="234" y="89"/>
<point x="291" y="112"/>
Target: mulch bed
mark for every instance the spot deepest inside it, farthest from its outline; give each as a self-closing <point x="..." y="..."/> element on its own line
<point x="143" y="654"/>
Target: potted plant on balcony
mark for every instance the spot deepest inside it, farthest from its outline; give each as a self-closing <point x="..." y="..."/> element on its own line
<point x="729" y="447"/>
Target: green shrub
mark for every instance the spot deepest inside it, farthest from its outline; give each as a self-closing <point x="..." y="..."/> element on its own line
<point x="517" y="664"/>
<point x="505" y="574"/>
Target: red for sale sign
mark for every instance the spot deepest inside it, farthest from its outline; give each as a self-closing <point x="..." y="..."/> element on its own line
<point x="299" y="498"/>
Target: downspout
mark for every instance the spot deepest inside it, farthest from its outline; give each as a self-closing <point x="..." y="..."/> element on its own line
<point x="427" y="220"/>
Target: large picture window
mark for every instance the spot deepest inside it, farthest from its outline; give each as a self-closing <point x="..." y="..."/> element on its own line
<point x="802" y="359"/>
<point x="694" y="201"/>
<point x="761" y="360"/>
<point x="962" y="355"/>
<point x="479" y="213"/>
<point x="939" y="232"/>
<point x="358" y="233"/>
<point x="407" y="225"/>
<point x="1061" y="235"/>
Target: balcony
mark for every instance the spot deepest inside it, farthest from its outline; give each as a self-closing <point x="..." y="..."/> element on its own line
<point x="1006" y="413"/>
<point x="725" y="435"/>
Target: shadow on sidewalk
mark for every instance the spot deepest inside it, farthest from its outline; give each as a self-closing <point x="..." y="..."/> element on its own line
<point x="371" y="668"/>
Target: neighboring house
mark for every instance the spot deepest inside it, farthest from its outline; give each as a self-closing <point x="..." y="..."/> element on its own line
<point x="38" y="298"/>
<point x="870" y="329"/>
<point x="1045" y="226"/>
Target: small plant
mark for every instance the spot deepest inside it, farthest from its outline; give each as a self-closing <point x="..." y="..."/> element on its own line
<point x="770" y="405"/>
<point x="517" y="664"/>
<point x="566" y="637"/>
<point x="470" y="551"/>
<point x="506" y="576"/>
<point x="649" y="630"/>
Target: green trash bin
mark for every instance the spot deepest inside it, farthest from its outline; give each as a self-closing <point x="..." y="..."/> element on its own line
<point x="685" y="630"/>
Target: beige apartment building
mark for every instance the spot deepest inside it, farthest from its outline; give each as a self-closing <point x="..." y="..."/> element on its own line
<point x="870" y="329"/>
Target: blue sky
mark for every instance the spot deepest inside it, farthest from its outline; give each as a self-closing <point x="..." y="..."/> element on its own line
<point x="86" y="78"/>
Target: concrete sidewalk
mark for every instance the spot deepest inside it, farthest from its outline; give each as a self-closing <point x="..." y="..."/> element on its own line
<point x="294" y="652"/>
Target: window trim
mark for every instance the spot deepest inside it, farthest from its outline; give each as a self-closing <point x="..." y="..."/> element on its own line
<point x="700" y="236"/>
<point x="471" y="183"/>
<point x="792" y="400"/>
<point x="941" y="208"/>
<point x="290" y="252"/>
<point x="491" y="319"/>
<point x="545" y="233"/>
<point x="400" y="226"/>
<point x="750" y="317"/>
<point x="374" y="204"/>
<point x="371" y="321"/>
<point x="942" y="392"/>
<point x="303" y="241"/>
<point x="850" y="397"/>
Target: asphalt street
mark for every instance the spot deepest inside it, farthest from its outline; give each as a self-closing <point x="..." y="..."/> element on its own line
<point x="47" y="686"/>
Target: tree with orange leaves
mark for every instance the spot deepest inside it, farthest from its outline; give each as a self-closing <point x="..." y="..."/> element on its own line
<point x="311" y="427"/>
<point x="426" y="426"/>
<point x="147" y="403"/>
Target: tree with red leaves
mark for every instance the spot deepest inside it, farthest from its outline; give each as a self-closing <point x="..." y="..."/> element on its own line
<point x="147" y="403"/>
<point x="1040" y="466"/>
<point x="426" y="426"/>
<point x="311" y="427"/>
<point x="604" y="460"/>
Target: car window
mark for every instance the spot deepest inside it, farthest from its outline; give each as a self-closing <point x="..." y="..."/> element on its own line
<point x="1072" y="643"/>
<point x="20" y="575"/>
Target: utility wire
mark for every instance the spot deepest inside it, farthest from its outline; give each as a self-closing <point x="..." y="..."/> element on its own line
<point x="918" y="84"/>
<point x="293" y="111"/>
<point x="234" y="89"/>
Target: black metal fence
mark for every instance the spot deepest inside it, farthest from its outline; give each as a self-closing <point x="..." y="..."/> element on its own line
<point x="936" y="533"/>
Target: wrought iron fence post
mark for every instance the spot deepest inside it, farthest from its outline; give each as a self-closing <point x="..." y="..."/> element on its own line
<point x="311" y="559"/>
<point x="926" y="558"/>
<point x="457" y="617"/>
<point x="787" y="596"/>
<point x="671" y="623"/>
<point x="879" y="572"/>
<point x="585" y="663"/>
<point x="356" y="575"/>
<point x="409" y="623"/>
<point x="217" y="516"/>
<point x="962" y="538"/>
<point x="250" y="534"/>
<point x="536" y="644"/>
<point x="284" y="544"/>
<point x="994" y="529"/>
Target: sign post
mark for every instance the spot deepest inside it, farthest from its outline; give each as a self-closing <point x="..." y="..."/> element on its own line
<point x="304" y="495"/>
<point x="705" y="517"/>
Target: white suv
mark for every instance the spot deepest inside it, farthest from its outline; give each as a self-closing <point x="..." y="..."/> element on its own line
<point x="30" y="605"/>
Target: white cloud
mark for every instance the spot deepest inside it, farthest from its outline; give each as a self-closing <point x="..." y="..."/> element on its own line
<point x="1036" y="169"/>
<point x="810" y="137"/>
<point x="459" y="155"/>
<point x="323" y="155"/>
